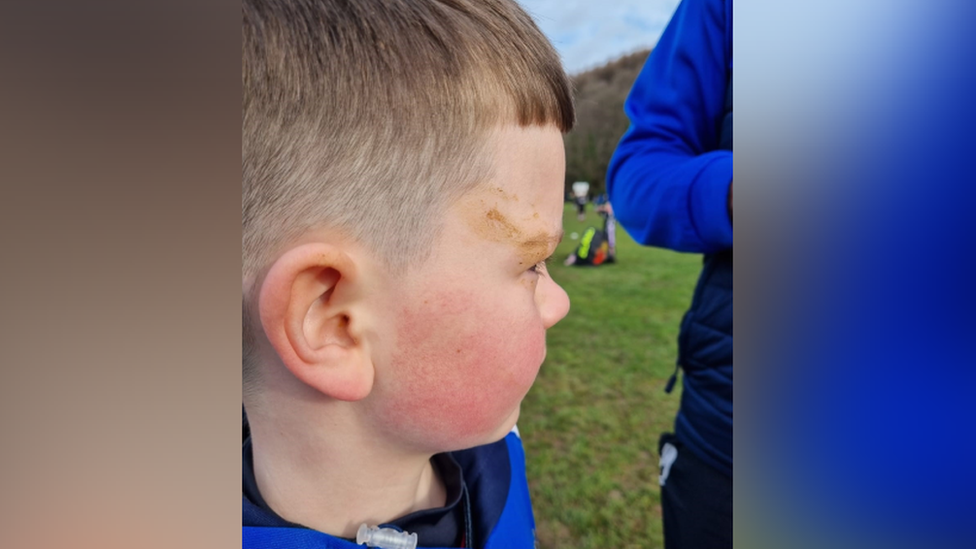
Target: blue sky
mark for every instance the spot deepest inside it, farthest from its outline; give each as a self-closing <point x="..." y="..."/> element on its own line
<point x="588" y="33"/>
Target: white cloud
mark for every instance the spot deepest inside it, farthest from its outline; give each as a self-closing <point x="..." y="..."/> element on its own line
<point x="588" y="33"/>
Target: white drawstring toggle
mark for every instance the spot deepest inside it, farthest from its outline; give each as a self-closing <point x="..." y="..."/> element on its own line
<point x="385" y="538"/>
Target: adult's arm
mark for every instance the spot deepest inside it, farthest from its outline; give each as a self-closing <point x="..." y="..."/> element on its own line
<point x="668" y="185"/>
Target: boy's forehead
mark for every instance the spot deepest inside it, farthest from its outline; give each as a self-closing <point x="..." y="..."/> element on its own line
<point x="521" y="204"/>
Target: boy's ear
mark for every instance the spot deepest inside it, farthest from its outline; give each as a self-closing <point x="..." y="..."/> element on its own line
<point x="306" y="305"/>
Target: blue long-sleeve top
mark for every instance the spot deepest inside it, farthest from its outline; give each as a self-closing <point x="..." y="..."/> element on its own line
<point x="668" y="185"/>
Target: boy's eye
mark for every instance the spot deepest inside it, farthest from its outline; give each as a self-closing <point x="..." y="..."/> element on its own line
<point x="540" y="267"/>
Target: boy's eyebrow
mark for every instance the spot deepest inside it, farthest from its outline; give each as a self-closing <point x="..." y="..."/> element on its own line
<point x="541" y="242"/>
<point x="495" y="226"/>
<point x="547" y="237"/>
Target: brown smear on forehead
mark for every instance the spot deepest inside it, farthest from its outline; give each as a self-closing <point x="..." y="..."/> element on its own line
<point x="488" y="222"/>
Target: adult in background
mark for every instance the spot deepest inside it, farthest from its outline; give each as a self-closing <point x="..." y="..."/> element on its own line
<point x="670" y="182"/>
<point x="580" y="207"/>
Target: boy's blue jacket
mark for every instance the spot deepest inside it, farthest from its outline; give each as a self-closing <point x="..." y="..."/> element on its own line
<point x="500" y="507"/>
<point x="669" y="185"/>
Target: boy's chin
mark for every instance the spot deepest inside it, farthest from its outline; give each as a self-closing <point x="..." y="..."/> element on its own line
<point x="505" y="427"/>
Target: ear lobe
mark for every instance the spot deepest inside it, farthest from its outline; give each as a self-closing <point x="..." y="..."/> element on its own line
<point x="306" y="305"/>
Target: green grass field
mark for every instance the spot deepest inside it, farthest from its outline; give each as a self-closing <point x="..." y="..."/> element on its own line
<point x="590" y="423"/>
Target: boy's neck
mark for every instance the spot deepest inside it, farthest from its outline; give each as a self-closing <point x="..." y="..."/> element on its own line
<point x="333" y="484"/>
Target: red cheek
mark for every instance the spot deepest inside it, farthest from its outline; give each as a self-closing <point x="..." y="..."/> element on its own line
<point x="462" y="366"/>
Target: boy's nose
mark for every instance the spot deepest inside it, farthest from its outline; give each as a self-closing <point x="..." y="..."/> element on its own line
<point x="553" y="302"/>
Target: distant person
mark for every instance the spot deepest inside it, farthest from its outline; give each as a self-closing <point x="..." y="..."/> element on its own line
<point x="670" y="181"/>
<point x="382" y="387"/>
<point x="605" y="209"/>
<point x="581" y="207"/>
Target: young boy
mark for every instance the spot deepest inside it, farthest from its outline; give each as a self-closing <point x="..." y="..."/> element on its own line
<point x="402" y="187"/>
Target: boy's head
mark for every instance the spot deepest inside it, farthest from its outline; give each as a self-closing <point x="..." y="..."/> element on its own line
<point x="402" y="175"/>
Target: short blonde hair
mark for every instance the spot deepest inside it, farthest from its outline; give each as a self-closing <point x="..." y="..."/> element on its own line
<point x="370" y="116"/>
